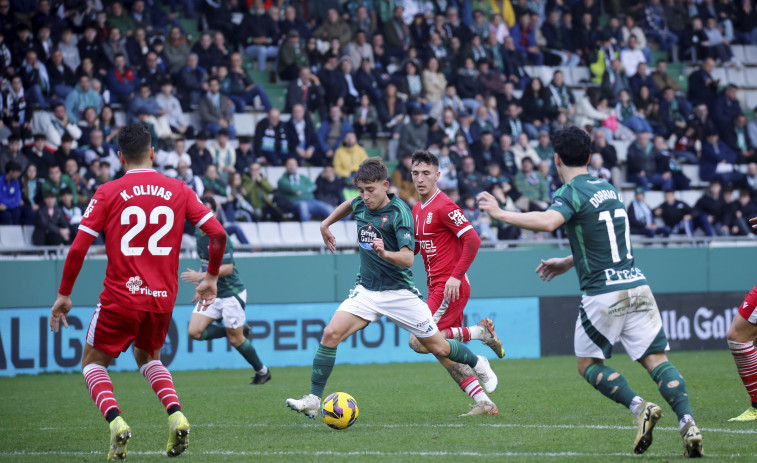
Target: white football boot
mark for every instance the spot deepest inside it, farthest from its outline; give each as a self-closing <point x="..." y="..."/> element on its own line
<point x="309" y="404"/>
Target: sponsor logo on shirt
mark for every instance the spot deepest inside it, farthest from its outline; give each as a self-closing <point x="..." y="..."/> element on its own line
<point x="134" y="285"/>
<point x="619" y="277"/>
<point x="457" y="217"/>
<point x="90" y="206"/>
<point x="366" y="234"/>
<point x="428" y="246"/>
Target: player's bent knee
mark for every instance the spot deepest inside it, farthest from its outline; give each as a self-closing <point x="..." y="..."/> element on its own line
<point x="330" y="337"/>
<point x="416" y="345"/>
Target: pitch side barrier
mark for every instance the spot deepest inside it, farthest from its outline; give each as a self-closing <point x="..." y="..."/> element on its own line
<point x="291" y="298"/>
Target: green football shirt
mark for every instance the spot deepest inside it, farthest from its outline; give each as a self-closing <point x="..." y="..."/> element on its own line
<point x="229" y="285"/>
<point x="599" y="235"/>
<point x="392" y="223"/>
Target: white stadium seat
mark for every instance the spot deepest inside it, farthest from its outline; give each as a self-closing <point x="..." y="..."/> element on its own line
<point x="580" y="74"/>
<point x="311" y="233"/>
<point x="12" y="236"/>
<point x="291" y="233"/>
<point x="274" y="173"/>
<point x="250" y="230"/>
<point x="738" y="52"/>
<point x="719" y="74"/>
<point x="751" y="100"/>
<point x="28" y="231"/>
<point x="736" y="76"/>
<point x="314" y="172"/>
<point x="245" y="124"/>
<point x="340" y="233"/>
<point x="351" y="229"/>
<point x="270" y="233"/>
<point x="750" y="54"/>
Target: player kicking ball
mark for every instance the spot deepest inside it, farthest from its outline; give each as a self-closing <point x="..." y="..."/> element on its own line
<point x="448" y="244"/>
<point x="741" y="336"/>
<point x="229" y="304"/>
<point x="384" y="285"/>
<point x="142" y="215"/>
<point x="617" y="302"/>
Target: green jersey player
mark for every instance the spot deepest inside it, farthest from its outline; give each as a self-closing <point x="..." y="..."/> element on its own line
<point x="384" y="285"/>
<point x="617" y="302"/>
<point x="228" y="306"/>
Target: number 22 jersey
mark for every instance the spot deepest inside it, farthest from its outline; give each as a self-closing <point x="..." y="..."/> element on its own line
<point x="599" y="235"/>
<point x="142" y="216"/>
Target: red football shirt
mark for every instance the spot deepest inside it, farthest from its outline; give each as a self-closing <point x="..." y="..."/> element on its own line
<point x="439" y="223"/>
<point x="142" y="215"/>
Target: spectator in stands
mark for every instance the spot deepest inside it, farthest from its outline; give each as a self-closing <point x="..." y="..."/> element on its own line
<point x="402" y="180"/>
<point x="738" y="215"/>
<point x="641" y="218"/>
<point x="371" y="81"/>
<point x="680" y="217"/>
<point x="245" y="155"/>
<point x="397" y="34"/>
<point x="717" y="162"/>
<point x="523" y="149"/>
<point x="481" y="223"/>
<point x="332" y="132"/>
<point x="350" y="95"/>
<point x="31" y="186"/>
<point x="191" y="83"/>
<point x="726" y="108"/>
<point x="366" y="119"/>
<point x="700" y="123"/>
<point x="12" y="152"/>
<point x="224" y="155"/>
<point x="299" y="190"/>
<point x="414" y="134"/>
<point x="485" y="152"/>
<point x="177" y="50"/>
<point x="333" y="26"/>
<point x="303" y="136"/>
<point x="59" y="125"/>
<point x="561" y="96"/>
<point x="36" y="80"/>
<point x="292" y="22"/>
<point x="208" y="56"/>
<point x="292" y="56"/>
<point x="39" y="154"/>
<point x="703" y="88"/>
<point x="641" y="79"/>
<point x="656" y="27"/>
<point x="243" y="88"/>
<point x="596" y="168"/>
<point x="169" y="106"/>
<point x="66" y="151"/>
<point x="215" y="186"/>
<point x="50" y="224"/>
<point x="102" y="152"/>
<point x="361" y="18"/>
<point x="737" y="139"/>
<point x="82" y="189"/>
<point x="434" y="81"/>
<point x="662" y="79"/>
<point x="559" y="39"/>
<point x="153" y="72"/>
<point x="584" y="35"/>
<point x="750" y="180"/>
<point x="119" y="18"/>
<point x="10" y="195"/>
<point x="514" y="65"/>
<point x="90" y="47"/>
<point x="272" y="143"/>
<point x="83" y="96"/>
<point x="359" y="49"/>
<point x="306" y="90"/>
<point x="631" y="55"/>
<point x="137" y="49"/>
<point x="745" y="23"/>
<point x="216" y="110"/>
<point x="713" y="208"/>
<point x="646" y="166"/>
<point x="62" y="78"/>
<point x="680" y="181"/>
<point x="717" y="45"/>
<point x="71" y="211"/>
<point x="614" y="80"/>
<point x="544" y="148"/>
<point x="348" y="156"/>
<point x="332" y="79"/>
<point x="525" y="41"/>
<point x="537" y="107"/>
<point x="600" y="60"/>
<point x="257" y="35"/>
<point x="122" y="81"/>
<point x="237" y="208"/>
<point x="628" y="115"/>
<point x="67" y="45"/>
<point x="259" y="193"/>
<point x="631" y="29"/>
<point x="329" y="188"/>
<point x="532" y="184"/>
<point x="673" y="112"/>
<point x="468" y="86"/>
<point x="16" y="116"/>
<point x="591" y="113"/>
<point x="199" y="153"/>
<point x="144" y="101"/>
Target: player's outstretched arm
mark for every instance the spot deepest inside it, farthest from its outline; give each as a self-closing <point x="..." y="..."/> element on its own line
<point x="548" y="220"/>
<point x="342" y="211"/>
<point x="71" y="269"/>
<point x="550" y="268"/>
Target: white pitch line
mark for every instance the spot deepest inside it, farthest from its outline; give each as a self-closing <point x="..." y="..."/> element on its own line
<point x="372" y="453"/>
<point x="411" y="425"/>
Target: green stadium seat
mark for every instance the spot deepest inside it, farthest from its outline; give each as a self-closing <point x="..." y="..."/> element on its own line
<point x="190" y="27"/>
<point x="277" y="96"/>
<point x="374" y="152"/>
<point x="259" y="77"/>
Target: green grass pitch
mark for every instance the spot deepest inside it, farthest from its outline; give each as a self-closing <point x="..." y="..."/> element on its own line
<point x="408" y="412"/>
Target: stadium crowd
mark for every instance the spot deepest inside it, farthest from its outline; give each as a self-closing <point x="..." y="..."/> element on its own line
<point x="444" y="75"/>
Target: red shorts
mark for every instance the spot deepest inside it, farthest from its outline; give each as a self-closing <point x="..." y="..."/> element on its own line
<point x="453" y="317"/>
<point x="113" y="330"/>
<point x="748" y="309"/>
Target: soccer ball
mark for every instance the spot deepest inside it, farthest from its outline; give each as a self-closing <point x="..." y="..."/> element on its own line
<point x="339" y="410"/>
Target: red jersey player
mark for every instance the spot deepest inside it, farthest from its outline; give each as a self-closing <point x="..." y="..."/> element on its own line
<point x="741" y="336"/>
<point x="448" y="244"/>
<point x="142" y="215"/>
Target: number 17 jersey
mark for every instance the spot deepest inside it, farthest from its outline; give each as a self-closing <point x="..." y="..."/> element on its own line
<point x="142" y="215"/>
<point x="600" y="237"/>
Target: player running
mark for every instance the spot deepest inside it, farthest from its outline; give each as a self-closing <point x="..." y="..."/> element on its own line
<point x="384" y="285"/>
<point x="142" y="215"/>
<point x="229" y="304"/>
<point x="741" y="336"/>
<point x="617" y="302"/>
<point x="448" y="244"/>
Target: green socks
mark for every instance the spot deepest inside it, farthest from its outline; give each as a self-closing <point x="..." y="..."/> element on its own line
<point x="610" y="383"/>
<point x="323" y="363"/>
<point x="213" y="331"/>
<point x="249" y="354"/>
<point x="459" y="353"/>
<point x="672" y="388"/>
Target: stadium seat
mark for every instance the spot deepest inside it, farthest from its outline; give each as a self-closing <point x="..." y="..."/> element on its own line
<point x="751" y="100"/>
<point x="274" y="173"/>
<point x="621" y="146"/>
<point x="351" y="229"/>
<point x="736" y="76"/>
<point x="580" y="75"/>
<point x="120" y="118"/>
<point x="260" y="77"/>
<point x="270" y="234"/>
<point x="738" y="52"/>
<point x="245" y="124"/>
<point x="311" y="233"/>
<point x="719" y="74"/>
<point x="250" y="230"/>
<point x="12" y="236"/>
<point x="692" y="172"/>
<point x="277" y="96"/>
<point x="28" y="232"/>
<point x="690" y="197"/>
<point x="313" y="172"/>
<point x="750" y="54"/>
<point x="374" y="152"/>
<point x="339" y="232"/>
<point x="291" y="233"/>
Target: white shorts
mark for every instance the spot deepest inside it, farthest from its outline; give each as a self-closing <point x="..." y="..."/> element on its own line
<point x="630" y="316"/>
<point x="230" y="309"/>
<point x="401" y="306"/>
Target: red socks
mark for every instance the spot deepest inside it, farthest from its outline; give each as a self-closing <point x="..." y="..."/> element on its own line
<point x="100" y="387"/>
<point x="161" y="382"/>
<point x="746" y="362"/>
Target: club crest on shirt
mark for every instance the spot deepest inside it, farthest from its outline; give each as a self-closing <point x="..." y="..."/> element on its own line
<point x="428" y="218"/>
<point x="384" y="220"/>
<point x="366" y="234"/>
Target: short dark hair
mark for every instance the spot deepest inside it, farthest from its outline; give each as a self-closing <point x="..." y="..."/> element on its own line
<point x="134" y="141"/>
<point x="371" y="170"/>
<point x="12" y="166"/>
<point x="573" y="145"/>
<point x="425" y="157"/>
<point x="210" y="202"/>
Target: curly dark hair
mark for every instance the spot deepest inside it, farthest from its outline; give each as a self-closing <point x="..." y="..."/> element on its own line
<point x="134" y="142"/>
<point x="371" y="170"/>
<point x="424" y="157"/>
<point x="573" y="145"/>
